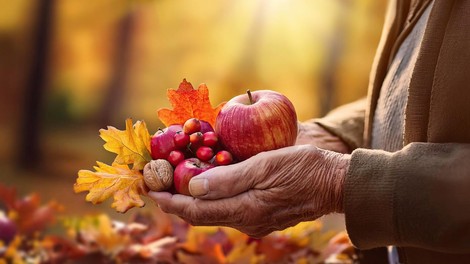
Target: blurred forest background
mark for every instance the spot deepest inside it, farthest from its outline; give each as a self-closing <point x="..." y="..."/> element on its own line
<point x="71" y="67"/>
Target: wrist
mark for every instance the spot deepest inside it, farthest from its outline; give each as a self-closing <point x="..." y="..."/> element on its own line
<point x="338" y="179"/>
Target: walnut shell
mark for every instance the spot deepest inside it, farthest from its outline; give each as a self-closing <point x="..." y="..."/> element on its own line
<point x="158" y="175"/>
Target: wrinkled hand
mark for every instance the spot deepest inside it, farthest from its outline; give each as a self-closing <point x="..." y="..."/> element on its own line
<point x="270" y="191"/>
<point x="314" y="134"/>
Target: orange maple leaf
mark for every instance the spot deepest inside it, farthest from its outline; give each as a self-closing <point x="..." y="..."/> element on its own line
<point x="132" y="145"/>
<point x="188" y="102"/>
<point x="124" y="184"/>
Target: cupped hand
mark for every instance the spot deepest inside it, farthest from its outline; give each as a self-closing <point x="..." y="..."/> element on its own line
<point x="270" y="191"/>
<point x="312" y="133"/>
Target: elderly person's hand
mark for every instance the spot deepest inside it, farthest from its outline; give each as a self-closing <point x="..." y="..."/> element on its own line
<point x="312" y="133"/>
<point x="270" y="191"/>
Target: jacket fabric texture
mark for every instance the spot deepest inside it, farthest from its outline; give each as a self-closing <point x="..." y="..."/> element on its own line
<point x="417" y="198"/>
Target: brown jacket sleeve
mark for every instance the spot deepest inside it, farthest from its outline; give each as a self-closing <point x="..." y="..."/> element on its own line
<point x="346" y="122"/>
<point x="416" y="197"/>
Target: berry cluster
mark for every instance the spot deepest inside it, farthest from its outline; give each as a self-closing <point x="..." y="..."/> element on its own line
<point x="194" y="139"/>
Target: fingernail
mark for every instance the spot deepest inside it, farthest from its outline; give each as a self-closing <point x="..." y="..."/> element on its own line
<point x="199" y="187"/>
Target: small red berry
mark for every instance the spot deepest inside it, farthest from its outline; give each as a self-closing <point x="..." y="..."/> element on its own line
<point x="175" y="157"/>
<point x="223" y="157"/>
<point x="210" y="139"/>
<point x="181" y="139"/>
<point x="196" y="138"/>
<point x="204" y="153"/>
<point x="192" y="125"/>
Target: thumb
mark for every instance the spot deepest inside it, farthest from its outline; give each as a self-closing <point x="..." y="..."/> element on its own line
<point x="220" y="182"/>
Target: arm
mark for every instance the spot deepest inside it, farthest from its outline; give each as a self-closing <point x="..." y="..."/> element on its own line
<point x="418" y="196"/>
<point x="341" y="130"/>
<point x="310" y="132"/>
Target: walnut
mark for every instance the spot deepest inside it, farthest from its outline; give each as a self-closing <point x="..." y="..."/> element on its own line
<point x="158" y="175"/>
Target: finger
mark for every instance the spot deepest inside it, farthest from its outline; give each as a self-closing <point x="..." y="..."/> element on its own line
<point x="221" y="182"/>
<point x="169" y="204"/>
<point x="159" y="196"/>
<point x="200" y="212"/>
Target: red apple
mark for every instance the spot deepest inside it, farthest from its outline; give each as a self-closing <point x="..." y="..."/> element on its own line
<point x="205" y="127"/>
<point x="7" y="229"/>
<point x="185" y="171"/>
<point x="162" y="143"/>
<point x="255" y="122"/>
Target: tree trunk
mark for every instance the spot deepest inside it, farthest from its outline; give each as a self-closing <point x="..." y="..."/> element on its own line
<point x="117" y="84"/>
<point x="30" y="135"/>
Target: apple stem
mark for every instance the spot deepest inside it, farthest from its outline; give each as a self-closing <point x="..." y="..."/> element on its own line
<point x="249" y="96"/>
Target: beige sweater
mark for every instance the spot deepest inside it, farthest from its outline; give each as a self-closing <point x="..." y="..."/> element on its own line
<point x="417" y="198"/>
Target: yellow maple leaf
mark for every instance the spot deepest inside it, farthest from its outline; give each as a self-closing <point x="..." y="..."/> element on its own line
<point x="124" y="184"/>
<point x="132" y="145"/>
